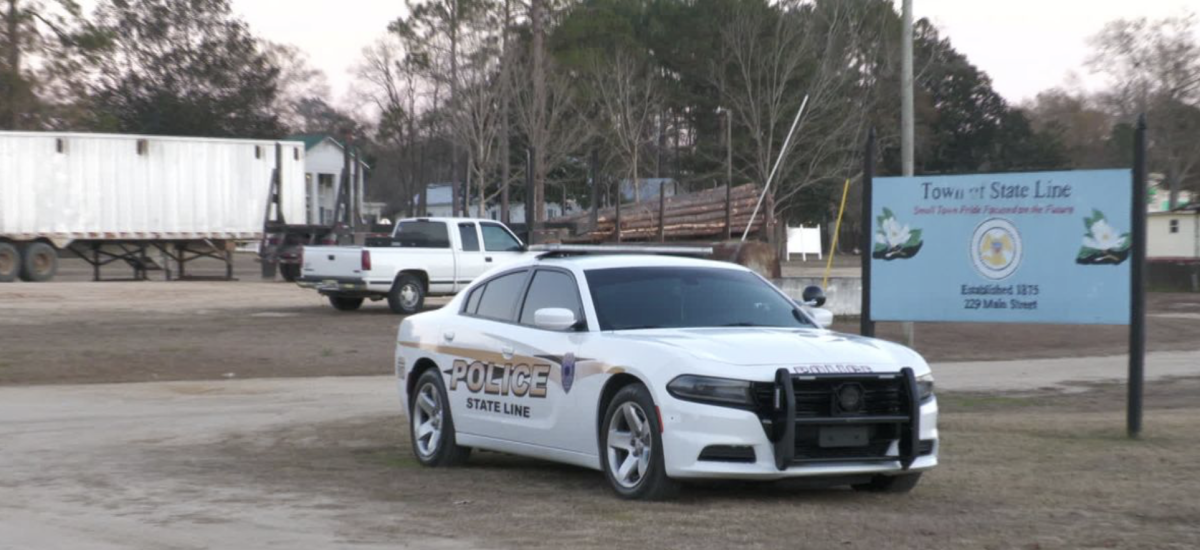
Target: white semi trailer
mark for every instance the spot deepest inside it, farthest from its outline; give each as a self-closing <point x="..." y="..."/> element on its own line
<point x="119" y="198"/>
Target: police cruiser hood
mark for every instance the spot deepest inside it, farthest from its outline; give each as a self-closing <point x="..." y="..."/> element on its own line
<point x="758" y="346"/>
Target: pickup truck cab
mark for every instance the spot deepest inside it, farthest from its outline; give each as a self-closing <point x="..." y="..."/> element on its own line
<point x="423" y="257"/>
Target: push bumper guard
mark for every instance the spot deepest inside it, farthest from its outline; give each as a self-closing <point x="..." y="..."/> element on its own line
<point x="899" y="418"/>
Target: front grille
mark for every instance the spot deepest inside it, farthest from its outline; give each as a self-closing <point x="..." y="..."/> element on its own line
<point x="728" y="453"/>
<point x="873" y="412"/>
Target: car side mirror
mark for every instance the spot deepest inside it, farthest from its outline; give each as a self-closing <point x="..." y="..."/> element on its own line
<point x="554" y="318"/>
<point x="813" y="296"/>
<point x="823" y="317"/>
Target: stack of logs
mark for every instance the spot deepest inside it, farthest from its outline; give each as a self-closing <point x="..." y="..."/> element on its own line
<point x="692" y="216"/>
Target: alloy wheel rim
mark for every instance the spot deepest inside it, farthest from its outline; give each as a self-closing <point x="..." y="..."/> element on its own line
<point x="427" y="420"/>
<point x="630" y="445"/>
<point x="408" y="296"/>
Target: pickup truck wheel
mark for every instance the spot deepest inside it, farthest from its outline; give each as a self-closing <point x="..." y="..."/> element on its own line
<point x="290" y="272"/>
<point x="431" y="426"/>
<point x="631" y="449"/>
<point x="39" y="263"/>
<point x="343" y="303"/>
<point x="902" y="483"/>
<point x="407" y="295"/>
<point x="10" y="263"/>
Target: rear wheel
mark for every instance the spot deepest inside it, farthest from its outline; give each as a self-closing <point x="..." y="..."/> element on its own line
<point x="631" y="449"/>
<point x="902" y="483"/>
<point x="407" y="295"/>
<point x="345" y="303"/>
<point x="10" y="263"/>
<point x="431" y="425"/>
<point x="39" y="263"/>
<point x="290" y="272"/>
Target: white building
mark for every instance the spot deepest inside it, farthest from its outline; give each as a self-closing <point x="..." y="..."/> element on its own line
<point x="324" y="160"/>
<point x="1174" y="235"/>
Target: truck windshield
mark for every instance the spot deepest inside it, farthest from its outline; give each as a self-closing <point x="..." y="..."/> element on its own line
<point x="629" y="298"/>
<point x="421" y="234"/>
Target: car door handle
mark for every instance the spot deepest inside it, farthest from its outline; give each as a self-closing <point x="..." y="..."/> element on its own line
<point x="448" y="335"/>
<point x="507" y="352"/>
<point x="487" y="259"/>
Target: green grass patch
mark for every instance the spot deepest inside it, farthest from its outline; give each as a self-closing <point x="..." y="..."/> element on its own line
<point x="974" y="402"/>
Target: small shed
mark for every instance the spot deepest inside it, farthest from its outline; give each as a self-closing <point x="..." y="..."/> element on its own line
<point x="1173" y="234"/>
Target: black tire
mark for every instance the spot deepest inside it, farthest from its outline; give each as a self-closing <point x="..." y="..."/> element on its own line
<point x="653" y="484"/>
<point x="345" y="303"/>
<point x="396" y="298"/>
<point x="39" y="263"/>
<point x="10" y="263"/>
<point x="445" y="451"/>
<point x="902" y="483"/>
<point x="289" y="272"/>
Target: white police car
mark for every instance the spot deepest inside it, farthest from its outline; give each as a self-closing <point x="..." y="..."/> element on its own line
<point x="658" y="369"/>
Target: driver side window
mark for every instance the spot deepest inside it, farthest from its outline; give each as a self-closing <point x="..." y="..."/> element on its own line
<point x="498" y="239"/>
<point x="551" y="289"/>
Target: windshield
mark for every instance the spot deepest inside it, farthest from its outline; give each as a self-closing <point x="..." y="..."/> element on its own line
<point x="688" y="297"/>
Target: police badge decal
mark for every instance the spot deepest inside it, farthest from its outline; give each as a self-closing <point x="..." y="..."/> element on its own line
<point x="568" y="372"/>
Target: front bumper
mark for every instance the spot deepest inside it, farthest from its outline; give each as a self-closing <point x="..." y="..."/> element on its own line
<point x="692" y="431"/>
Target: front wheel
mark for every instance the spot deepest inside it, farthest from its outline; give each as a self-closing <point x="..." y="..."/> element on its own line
<point x="407" y="295"/>
<point x="343" y="303"/>
<point x="902" y="483"/>
<point x="431" y="426"/>
<point x="631" y="449"/>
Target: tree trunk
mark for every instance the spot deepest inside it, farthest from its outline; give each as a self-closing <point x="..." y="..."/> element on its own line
<point x="13" y="32"/>
<point x="538" y="80"/>
<point x="505" y="166"/>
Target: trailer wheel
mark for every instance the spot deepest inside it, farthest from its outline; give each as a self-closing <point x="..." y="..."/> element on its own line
<point x="345" y="303"/>
<point x="39" y="263"/>
<point x="290" y="272"/>
<point x="10" y="263"/>
<point x="407" y="295"/>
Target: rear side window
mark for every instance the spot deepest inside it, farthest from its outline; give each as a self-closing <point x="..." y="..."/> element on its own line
<point x="500" y="297"/>
<point x="473" y="300"/>
<point x="470" y="239"/>
<point x="498" y="239"/>
<point x="421" y="234"/>
<point x="550" y="289"/>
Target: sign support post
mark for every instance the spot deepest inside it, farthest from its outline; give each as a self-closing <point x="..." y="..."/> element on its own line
<point x="866" y="325"/>
<point x="1137" y="290"/>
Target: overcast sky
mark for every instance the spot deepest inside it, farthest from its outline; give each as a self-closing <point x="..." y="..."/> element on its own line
<point x="1025" y="45"/>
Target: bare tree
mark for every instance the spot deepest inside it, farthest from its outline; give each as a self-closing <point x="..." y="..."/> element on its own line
<point x="1154" y="68"/>
<point x="628" y="99"/>
<point x="772" y="57"/>
<point x="297" y="82"/>
<point x="548" y="116"/>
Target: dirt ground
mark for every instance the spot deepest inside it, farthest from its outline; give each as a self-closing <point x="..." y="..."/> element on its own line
<point x="201" y="458"/>
<point x="326" y="462"/>
<point x="72" y="331"/>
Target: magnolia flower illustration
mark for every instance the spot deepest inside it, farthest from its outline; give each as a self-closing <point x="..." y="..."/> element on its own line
<point x="1103" y="244"/>
<point x="895" y="240"/>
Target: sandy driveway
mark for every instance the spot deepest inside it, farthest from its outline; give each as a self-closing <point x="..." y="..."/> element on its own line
<point x="113" y="465"/>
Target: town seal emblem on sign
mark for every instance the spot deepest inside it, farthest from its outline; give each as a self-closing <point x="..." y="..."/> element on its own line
<point x="996" y="249"/>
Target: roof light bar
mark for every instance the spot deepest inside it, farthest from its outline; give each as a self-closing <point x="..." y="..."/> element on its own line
<point x="584" y="249"/>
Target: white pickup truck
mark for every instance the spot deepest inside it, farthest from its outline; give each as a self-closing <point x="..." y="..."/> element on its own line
<point x="426" y="257"/>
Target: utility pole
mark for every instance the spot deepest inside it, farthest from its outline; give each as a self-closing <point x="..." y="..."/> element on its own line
<point x="906" y="118"/>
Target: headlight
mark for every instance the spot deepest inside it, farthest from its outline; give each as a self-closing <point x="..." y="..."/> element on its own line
<point x="716" y="391"/>
<point x="925" y="386"/>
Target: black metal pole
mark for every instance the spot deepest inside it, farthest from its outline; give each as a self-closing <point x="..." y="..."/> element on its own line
<point x="1137" y="283"/>
<point x="594" y="219"/>
<point x="866" y="325"/>
<point x="529" y="199"/>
